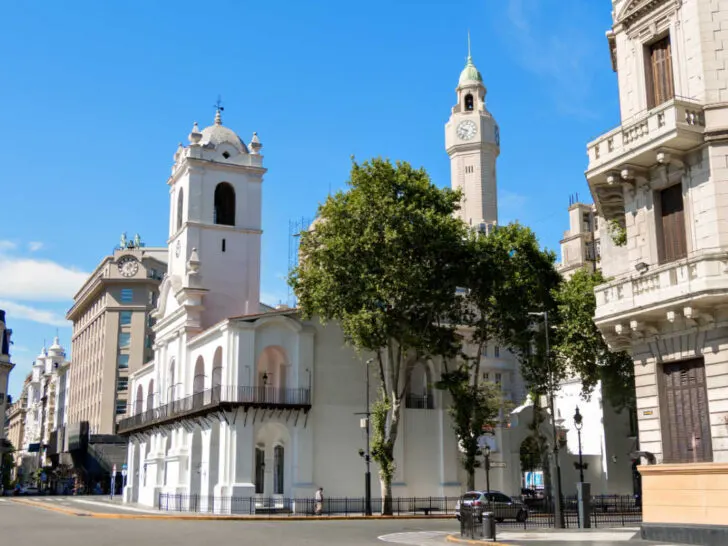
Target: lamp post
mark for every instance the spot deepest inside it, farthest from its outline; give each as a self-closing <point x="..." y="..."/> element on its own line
<point x="558" y="513"/>
<point x="486" y="456"/>
<point x="365" y="454"/>
<point x="578" y="424"/>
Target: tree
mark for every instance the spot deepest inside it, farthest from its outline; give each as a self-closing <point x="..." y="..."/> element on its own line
<point x="475" y="408"/>
<point x="505" y="275"/>
<point x="383" y="260"/>
<point x="580" y="344"/>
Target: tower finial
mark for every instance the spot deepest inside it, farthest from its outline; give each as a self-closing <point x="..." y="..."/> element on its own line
<point x="469" y="44"/>
<point x="218" y="108"/>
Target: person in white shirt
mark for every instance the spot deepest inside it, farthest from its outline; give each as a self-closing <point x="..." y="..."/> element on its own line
<point x="319" y="501"/>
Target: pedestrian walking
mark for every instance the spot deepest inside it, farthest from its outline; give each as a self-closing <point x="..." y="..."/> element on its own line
<point x="319" y="502"/>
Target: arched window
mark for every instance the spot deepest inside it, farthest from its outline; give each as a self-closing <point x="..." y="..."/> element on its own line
<point x="180" y="206"/>
<point x="172" y="385"/>
<point x="468" y="102"/>
<point x="224" y="204"/>
<point x="419" y="393"/>
<point x="198" y="382"/>
<point x="259" y="470"/>
<point x="216" y="379"/>
<point x="278" y="470"/>
<point x="139" y="405"/>
<point x="150" y="396"/>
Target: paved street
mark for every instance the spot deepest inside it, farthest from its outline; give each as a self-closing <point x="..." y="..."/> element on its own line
<point x="20" y="524"/>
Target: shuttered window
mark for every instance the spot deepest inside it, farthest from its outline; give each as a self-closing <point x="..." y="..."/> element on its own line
<point x="685" y="418"/>
<point x="673" y="245"/>
<point x="660" y="86"/>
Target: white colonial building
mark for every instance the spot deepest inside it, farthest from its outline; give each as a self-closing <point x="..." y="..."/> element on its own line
<point x="243" y="400"/>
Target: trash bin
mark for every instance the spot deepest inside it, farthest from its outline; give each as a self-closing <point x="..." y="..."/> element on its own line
<point x="488" y="526"/>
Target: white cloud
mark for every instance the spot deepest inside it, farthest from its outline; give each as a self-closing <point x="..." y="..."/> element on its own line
<point x="6" y="245"/>
<point x="17" y="310"/>
<point x="34" y="246"/>
<point x="38" y="280"/>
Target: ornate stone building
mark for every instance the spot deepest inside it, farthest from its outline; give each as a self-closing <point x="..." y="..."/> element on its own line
<point x="659" y="183"/>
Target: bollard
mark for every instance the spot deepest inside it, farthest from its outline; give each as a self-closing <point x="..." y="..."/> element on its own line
<point x="583" y="491"/>
<point x="489" y="526"/>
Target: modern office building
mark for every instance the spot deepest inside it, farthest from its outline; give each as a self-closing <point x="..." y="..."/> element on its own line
<point x="112" y="333"/>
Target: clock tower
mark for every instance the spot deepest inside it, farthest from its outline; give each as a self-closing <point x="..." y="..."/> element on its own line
<point x="472" y="141"/>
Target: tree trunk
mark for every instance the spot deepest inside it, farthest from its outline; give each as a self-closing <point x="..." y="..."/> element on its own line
<point x="471" y="480"/>
<point x="386" y="488"/>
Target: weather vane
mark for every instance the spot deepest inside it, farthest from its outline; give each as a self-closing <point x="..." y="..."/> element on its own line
<point x="218" y="104"/>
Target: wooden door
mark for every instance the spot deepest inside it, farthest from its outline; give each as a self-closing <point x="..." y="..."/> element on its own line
<point x="674" y="243"/>
<point x="685" y="418"/>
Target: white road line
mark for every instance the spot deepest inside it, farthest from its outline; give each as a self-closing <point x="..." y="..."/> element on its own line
<point x="422" y="538"/>
<point x="598" y="536"/>
<point x="120" y="506"/>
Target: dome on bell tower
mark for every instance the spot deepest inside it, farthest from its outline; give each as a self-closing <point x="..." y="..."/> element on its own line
<point x="217" y="134"/>
<point x="470" y="73"/>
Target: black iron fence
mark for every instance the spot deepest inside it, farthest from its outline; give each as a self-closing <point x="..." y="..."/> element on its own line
<point x="213" y="398"/>
<point x="284" y="506"/>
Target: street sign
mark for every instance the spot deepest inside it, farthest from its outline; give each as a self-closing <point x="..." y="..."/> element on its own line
<point x="123" y="467"/>
<point x="497" y="464"/>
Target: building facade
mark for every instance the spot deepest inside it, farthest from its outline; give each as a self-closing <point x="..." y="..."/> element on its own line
<point x="245" y="401"/>
<point x="15" y="431"/>
<point x="6" y="366"/>
<point x="659" y="183"/>
<point x="581" y="245"/>
<point x="112" y="333"/>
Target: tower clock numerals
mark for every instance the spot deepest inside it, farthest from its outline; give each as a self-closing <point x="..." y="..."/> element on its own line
<point x="128" y="266"/>
<point x="466" y="130"/>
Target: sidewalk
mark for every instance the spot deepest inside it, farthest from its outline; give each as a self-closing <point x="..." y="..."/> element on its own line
<point x="570" y="537"/>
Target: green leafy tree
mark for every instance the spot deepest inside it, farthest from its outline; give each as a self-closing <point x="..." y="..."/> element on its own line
<point x="582" y="348"/>
<point x="382" y="260"/>
<point x="504" y="275"/>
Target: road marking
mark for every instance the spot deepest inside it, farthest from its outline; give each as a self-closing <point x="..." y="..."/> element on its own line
<point x="119" y="506"/>
<point x="422" y="538"/>
<point x="598" y="536"/>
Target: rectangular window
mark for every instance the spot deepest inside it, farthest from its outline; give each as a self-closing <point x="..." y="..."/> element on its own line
<point x="486" y="376"/>
<point x="259" y="470"/>
<point x="223" y="245"/>
<point x="498" y="379"/>
<point x="496" y="351"/>
<point x="123" y="362"/>
<point x="120" y="407"/>
<point x="127" y="295"/>
<point x="684" y="413"/>
<point x="673" y="243"/>
<point x="122" y="384"/>
<point x="660" y="86"/>
<point x="124" y="340"/>
<point x="152" y="297"/>
<point x="124" y="318"/>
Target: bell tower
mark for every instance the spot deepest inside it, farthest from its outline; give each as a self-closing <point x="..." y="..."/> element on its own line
<point x="214" y="227"/>
<point x="472" y="141"/>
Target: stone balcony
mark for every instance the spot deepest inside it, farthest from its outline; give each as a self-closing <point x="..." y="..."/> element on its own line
<point x="621" y="156"/>
<point x="676" y="125"/>
<point x="685" y="290"/>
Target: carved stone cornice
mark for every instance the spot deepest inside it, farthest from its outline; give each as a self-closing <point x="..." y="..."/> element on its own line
<point x="636" y="9"/>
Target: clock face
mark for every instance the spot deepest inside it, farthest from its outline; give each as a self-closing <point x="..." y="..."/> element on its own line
<point x="128" y="266"/>
<point x="178" y="248"/>
<point x="467" y="129"/>
<point x="497" y="135"/>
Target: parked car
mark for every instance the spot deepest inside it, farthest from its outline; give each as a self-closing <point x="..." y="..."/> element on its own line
<point x="502" y="506"/>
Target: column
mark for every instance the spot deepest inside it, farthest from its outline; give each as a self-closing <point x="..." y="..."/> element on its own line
<point x="204" y="491"/>
<point x="129" y="489"/>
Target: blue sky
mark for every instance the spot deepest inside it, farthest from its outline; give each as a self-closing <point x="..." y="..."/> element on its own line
<point x="96" y="96"/>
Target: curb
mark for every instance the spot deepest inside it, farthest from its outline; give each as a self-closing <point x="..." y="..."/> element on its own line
<point x="458" y="540"/>
<point x="102" y="515"/>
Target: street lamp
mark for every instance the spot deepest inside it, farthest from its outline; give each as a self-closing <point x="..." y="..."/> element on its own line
<point x="365" y="454"/>
<point x="578" y="424"/>
<point x="558" y="513"/>
<point x="486" y="456"/>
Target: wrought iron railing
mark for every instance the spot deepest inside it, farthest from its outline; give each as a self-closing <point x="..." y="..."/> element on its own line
<point x="420" y="401"/>
<point x="215" y="397"/>
<point x="286" y="506"/>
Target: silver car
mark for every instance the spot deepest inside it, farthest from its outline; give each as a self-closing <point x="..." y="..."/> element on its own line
<point x="502" y="506"/>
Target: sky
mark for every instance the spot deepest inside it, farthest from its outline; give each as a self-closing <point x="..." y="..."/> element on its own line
<point x="95" y="97"/>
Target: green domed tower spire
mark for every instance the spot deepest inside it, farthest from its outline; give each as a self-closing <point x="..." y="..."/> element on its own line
<point x="470" y="73"/>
